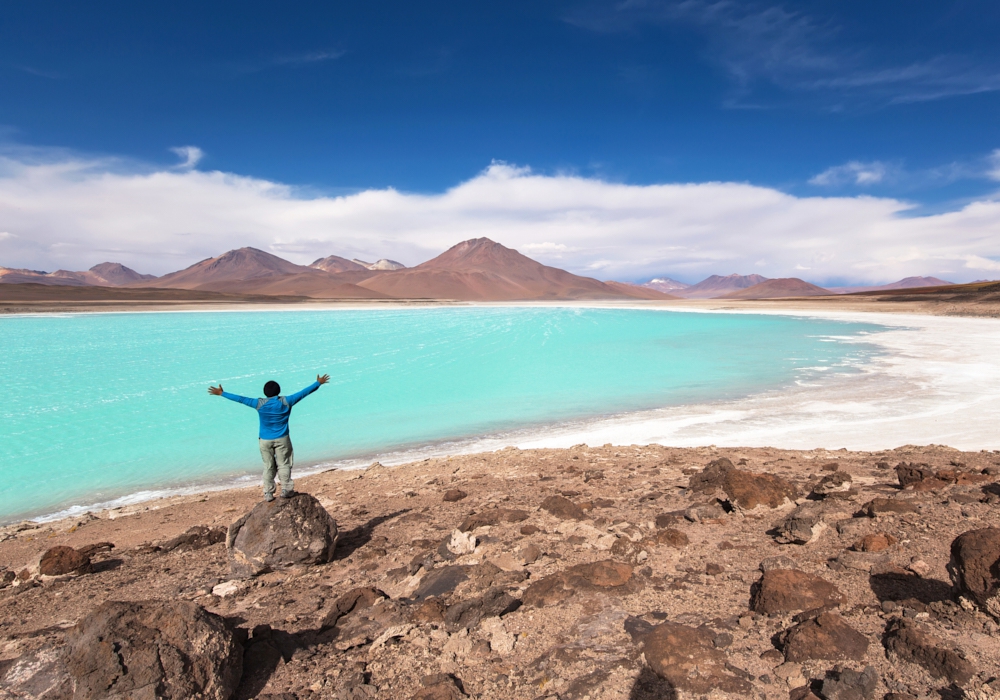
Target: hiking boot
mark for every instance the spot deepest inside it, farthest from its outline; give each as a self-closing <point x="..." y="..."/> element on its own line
<point x="287" y="494"/>
<point x="268" y="497"/>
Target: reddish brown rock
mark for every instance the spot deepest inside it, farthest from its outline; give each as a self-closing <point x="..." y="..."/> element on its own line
<point x="832" y="485"/>
<point x="283" y="533"/>
<point x="354" y="599"/>
<point x="438" y="686"/>
<point x="686" y="657"/>
<point x="61" y="560"/>
<point x="452" y="495"/>
<point x="744" y="489"/>
<point x="197" y="537"/>
<point x="790" y="590"/>
<point x="826" y="636"/>
<point x="875" y="542"/>
<point x="603" y="575"/>
<point x="563" y="508"/>
<point x="909" y="474"/>
<point x="165" y="649"/>
<point x="975" y="567"/>
<point x="914" y="643"/>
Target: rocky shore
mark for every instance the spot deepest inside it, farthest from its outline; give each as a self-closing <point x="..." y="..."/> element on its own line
<point x="593" y="572"/>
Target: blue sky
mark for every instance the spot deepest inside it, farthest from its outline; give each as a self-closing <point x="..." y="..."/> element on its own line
<point x="896" y="100"/>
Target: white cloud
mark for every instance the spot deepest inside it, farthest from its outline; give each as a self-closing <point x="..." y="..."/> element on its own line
<point x="853" y="172"/>
<point x="190" y="156"/>
<point x="994" y="168"/>
<point x="68" y="211"/>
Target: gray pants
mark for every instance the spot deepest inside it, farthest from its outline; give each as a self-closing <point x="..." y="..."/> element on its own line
<point x="277" y="456"/>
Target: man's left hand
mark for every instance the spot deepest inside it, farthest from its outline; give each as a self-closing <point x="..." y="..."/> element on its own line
<point x="215" y="390"/>
<point x="322" y="380"/>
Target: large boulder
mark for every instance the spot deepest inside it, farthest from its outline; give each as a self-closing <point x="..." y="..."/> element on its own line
<point x="283" y="533"/>
<point x="170" y="649"/>
<point x="975" y="567"/>
<point x="791" y="590"/>
<point x="743" y="489"/>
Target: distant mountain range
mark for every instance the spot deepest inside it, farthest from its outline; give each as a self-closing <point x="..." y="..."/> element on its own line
<point x="758" y="287"/>
<point x="474" y="270"/>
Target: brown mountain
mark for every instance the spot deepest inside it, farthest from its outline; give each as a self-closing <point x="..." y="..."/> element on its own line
<point x="482" y="270"/>
<point x="335" y="263"/>
<point x="106" y="274"/>
<point x="252" y="271"/>
<point x="778" y="289"/>
<point x="717" y="286"/>
<point x="237" y="265"/>
<point x="905" y="283"/>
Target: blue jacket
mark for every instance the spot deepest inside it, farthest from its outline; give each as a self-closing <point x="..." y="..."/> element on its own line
<point x="273" y="412"/>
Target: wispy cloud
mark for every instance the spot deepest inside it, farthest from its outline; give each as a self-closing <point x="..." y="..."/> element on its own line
<point x="853" y="172"/>
<point x="190" y="155"/>
<point x="69" y="210"/>
<point x="760" y="46"/>
<point x="51" y="75"/>
<point x="873" y="173"/>
<point x="289" y="60"/>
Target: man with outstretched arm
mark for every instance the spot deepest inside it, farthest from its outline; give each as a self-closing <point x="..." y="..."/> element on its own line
<point x="275" y="442"/>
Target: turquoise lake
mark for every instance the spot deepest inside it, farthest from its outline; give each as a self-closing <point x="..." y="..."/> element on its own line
<point x="101" y="406"/>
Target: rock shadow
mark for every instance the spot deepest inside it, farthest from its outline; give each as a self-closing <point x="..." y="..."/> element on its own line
<point x="649" y="686"/>
<point x="897" y="587"/>
<point x="351" y="540"/>
<point x="106" y="565"/>
<point x="267" y="648"/>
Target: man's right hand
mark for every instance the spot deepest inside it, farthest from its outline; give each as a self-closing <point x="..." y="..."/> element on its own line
<point x="322" y="380"/>
<point x="215" y="390"/>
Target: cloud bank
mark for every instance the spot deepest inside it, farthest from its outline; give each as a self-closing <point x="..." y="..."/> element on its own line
<point x="72" y="212"/>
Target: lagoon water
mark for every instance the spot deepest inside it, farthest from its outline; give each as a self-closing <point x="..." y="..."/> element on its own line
<point x="102" y="407"/>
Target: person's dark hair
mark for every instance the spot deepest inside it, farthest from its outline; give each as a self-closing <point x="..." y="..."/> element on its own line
<point x="271" y="389"/>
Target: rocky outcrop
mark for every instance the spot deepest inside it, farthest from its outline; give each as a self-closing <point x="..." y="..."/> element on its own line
<point x="808" y="522"/>
<point x="975" y="567"/>
<point x="790" y="591"/>
<point x="283" y="533"/>
<point x="744" y="490"/>
<point x="157" y="649"/>
<point x="197" y="537"/>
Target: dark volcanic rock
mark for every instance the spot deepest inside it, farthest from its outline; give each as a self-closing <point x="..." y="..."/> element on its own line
<point x="975" y="567"/>
<point x="909" y="474"/>
<point x="687" y="658"/>
<point x="848" y="684"/>
<point x="438" y="686"/>
<point x="157" y="649"/>
<point x="914" y="643"/>
<point x="826" y="636"/>
<point x="791" y="590"/>
<point x="563" y="508"/>
<point x="279" y="534"/>
<point x="492" y="516"/>
<point x="803" y="525"/>
<point x="61" y="560"/>
<point x="495" y="602"/>
<point x="602" y="575"/>
<point x="354" y="599"/>
<point x="744" y="489"/>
